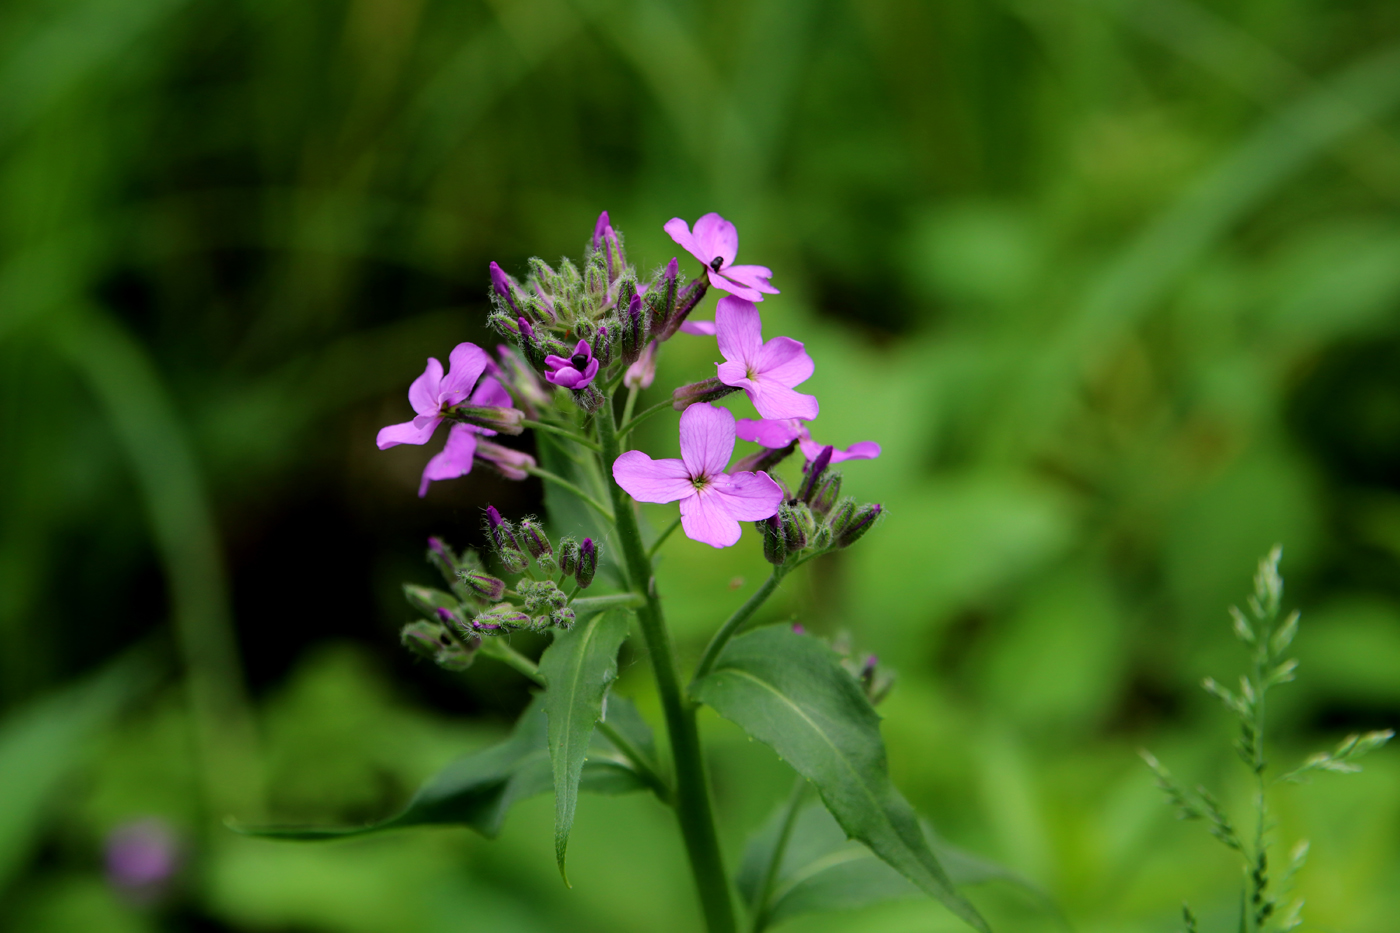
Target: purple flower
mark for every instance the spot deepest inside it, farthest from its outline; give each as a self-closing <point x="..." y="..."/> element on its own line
<point x="600" y="228"/>
<point x="779" y="433"/>
<point x="715" y="242"/>
<point x="699" y="328"/>
<point x="712" y="501"/>
<point x="766" y="371"/>
<point x="432" y="395"/>
<point x="574" y="372"/>
<point x="641" y="374"/>
<point x="141" y="857"/>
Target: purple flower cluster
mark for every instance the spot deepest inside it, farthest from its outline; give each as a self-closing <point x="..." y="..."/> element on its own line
<point x="581" y="333"/>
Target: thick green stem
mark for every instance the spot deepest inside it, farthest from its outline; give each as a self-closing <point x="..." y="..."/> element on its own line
<point x="740" y="616"/>
<point x="775" y="860"/>
<point x="693" y="808"/>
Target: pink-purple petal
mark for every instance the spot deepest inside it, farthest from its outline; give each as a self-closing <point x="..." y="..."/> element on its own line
<point x="717" y="237"/>
<point x="699" y="328"/>
<point x="707" y="439"/>
<point x="491" y="394"/>
<point x="465" y="366"/>
<point x="755" y="277"/>
<point x="748" y="497"/>
<point x="423" y="393"/>
<point x="769" y="433"/>
<point x="718" y="280"/>
<point x="705" y="519"/>
<point x="734" y="374"/>
<point x="680" y="232"/>
<point x="739" y="329"/>
<point x="455" y="459"/>
<point x="417" y="431"/>
<point x="863" y="450"/>
<point x="778" y="401"/>
<point x="784" y="361"/>
<point x="566" y="376"/>
<point x="648" y="480"/>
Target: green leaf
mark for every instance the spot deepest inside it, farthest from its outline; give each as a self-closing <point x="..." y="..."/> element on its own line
<point x="821" y="870"/>
<point x="577" y="668"/>
<point x="478" y="789"/>
<point x="790" y="692"/>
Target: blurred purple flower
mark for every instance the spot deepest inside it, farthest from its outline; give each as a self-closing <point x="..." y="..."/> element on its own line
<point x="778" y="433"/>
<point x="141" y="856"/>
<point x="641" y="374"/>
<point x="715" y="243"/>
<point x="573" y="372"/>
<point x="712" y="501"/>
<point x="432" y="394"/>
<point x="766" y="371"/>
<point x="699" y="328"/>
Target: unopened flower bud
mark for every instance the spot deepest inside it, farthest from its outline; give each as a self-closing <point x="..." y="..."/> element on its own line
<point x="706" y="390"/>
<point x="483" y="585"/>
<point x="793" y="526"/>
<point x="425" y="639"/>
<point x="504" y="542"/>
<point x="685" y="303"/>
<point x="428" y="600"/>
<point x="535" y="539"/>
<point x="617" y="259"/>
<point x="642" y="373"/>
<point x="853" y="529"/>
<point x="595" y="275"/>
<point x="441" y="556"/>
<point x="814" y="471"/>
<point x="541" y="596"/>
<point x="827" y="492"/>
<point x="764" y="459"/>
<point x="512" y="464"/>
<point x="841" y="515"/>
<point x="598" y="228"/>
<point x="589" y="398"/>
<point x="603" y="345"/>
<point x="774" y="541"/>
<point x="568" y="556"/>
<point x="502" y="420"/>
<point x="521" y="380"/>
<point x="587" y="563"/>
<point x="562" y="618"/>
<point x="504" y="287"/>
<point x="502" y="617"/>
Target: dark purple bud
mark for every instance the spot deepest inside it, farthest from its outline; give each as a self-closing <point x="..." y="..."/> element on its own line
<point x="706" y="390"/>
<point x="610" y="247"/>
<point x="536" y="541"/>
<point x="814" y="472"/>
<point x="587" y="563"/>
<point x="598" y="229"/>
<point x="525" y="329"/>
<point x="437" y="547"/>
<point x="602" y="345"/>
<point x="854" y="528"/>
<point x="489" y="588"/>
<point x="828" y="491"/>
<point x="568" y="556"/>
<point x="504" y="420"/>
<point x="684" y="303"/>
<point x="774" y="541"/>
<point x="446" y="615"/>
<point x="794" y="529"/>
<point x="503" y="286"/>
<point x="503" y="539"/>
<point x="494" y="519"/>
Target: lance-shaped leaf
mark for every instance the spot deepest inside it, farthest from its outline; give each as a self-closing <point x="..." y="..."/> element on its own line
<point x="790" y="692"/>
<point x="478" y="789"/>
<point x="577" y="669"/>
<point x="820" y="870"/>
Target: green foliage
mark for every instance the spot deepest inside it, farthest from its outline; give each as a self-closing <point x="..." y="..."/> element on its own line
<point x="578" y="668"/>
<point x="791" y="692"/>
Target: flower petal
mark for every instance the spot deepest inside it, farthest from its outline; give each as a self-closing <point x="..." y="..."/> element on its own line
<point x="465" y="366"/>
<point x="491" y="394"/>
<point x="423" y="394"/>
<point x="778" y="401"/>
<point x="769" y="433"/>
<point x="565" y="376"/>
<point x="680" y="232"/>
<point x="748" y="497"/>
<point x="755" y="277"/>
<point x="589" y="372"/>
<point x="417" y="431"/>
<point x="739" y="330"/>
<point x="701" y="328"/>
<point x="784" y="361"/>
<point x="648" y="480"/>
<point x="864" y="450"/>
<point x="717" y="237"/>
<point x="707" y="439"/>
<point x="455" y="459"/>
<point x="718" y="280"/>
<point x="705" y="519"/>
<point x="733" y="374"/>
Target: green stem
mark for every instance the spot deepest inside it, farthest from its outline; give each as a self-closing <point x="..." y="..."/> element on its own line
<point x="632" y="394"/>
<point x="693" y="809"/>
<point x="661" y="538"/>
<point x="586" y="606"/>
<point x="561" y="482"/>
<point x="740" y="616"/>
<point x="775" y="861"/>
<point x="642" y="416"/>
<point x="639" y="760"/>
<point x="562" y="432"/>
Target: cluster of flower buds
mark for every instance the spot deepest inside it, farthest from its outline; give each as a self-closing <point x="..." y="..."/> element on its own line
<point x="817" y="518"/>
<point x="580" y="327"/>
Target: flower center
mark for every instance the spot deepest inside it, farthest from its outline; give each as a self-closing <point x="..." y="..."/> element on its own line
<point x="578" y="361"/>
<point x="700" y="482"/>
<point x="717" y="263"/>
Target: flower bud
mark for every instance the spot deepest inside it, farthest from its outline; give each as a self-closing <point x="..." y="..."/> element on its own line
<point x="535" y="539"/>
<point x="841" y="515"/>
<point x="764" y="459"/>
<point x="603" y="345"/>
<point x="428" y="600"/>
<point x="483" y="585"/>
<point x="774" y="541"/>
<point x="587" y="563"/>
<point x="504" y="287"/>
<point x="568" y="556"/>
<point x="854" y="528"/>
<point x="642" y="373"/>
<point x="502" y="420"/>
<point x="598" y="228"/>
<point x="685" y="303"/>
<point x="617" y="259"/>
<point x="706" y="390"/>
<point x="814" y="471"/>
<point x="595" y="275"/>
<point x="502" y="617"/>
<point x="503" y="540"/>
<point x="441" y="556"/>
<point x="827" y="492"/>
<point x="562" y="618"/>
<point x="632" y="321"/>
<point x="588" y="398"/>
<point x="541" y="596"/>
<point x="661" y="301"/>
<point x="512" y="464"/>
<point x="424" y="639"/>
<point x="521" y="380"/>
<point x="794" y="528"/>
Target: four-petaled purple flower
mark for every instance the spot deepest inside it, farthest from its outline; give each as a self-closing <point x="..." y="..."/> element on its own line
<point x="432" y="394"/>
<point x="573" y="372"/>
<point x="766" y="371"/>
<point x="462" y="445"/>
<point x="715" y="243"/>
<point x="776" y="433"/>
<point x="712" y="502"/>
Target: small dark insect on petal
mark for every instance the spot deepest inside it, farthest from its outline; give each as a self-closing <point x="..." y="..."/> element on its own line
<point x="579" y="361"/>
<point x="717" y="263"/>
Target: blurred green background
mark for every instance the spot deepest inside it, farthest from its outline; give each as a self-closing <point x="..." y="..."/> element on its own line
<point x="1116" y="283"/>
